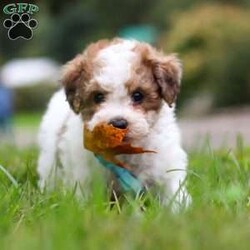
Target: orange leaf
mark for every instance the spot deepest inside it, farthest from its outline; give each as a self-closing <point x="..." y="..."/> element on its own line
<point x="108" y="141"/>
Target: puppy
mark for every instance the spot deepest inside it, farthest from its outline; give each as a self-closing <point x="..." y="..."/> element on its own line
<point x="130" y="85"/>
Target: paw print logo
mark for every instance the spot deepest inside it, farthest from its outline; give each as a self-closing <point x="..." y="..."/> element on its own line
<point x="20" y="26"/>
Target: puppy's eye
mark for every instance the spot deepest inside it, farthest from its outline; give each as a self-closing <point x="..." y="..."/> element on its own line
<point x="99" y="97"/>
<point x="137" y="97"/>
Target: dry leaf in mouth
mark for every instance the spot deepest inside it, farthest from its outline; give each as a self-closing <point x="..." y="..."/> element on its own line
<point x="108" y="141"/>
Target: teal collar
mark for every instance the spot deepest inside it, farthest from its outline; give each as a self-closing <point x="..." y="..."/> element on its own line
<point x="126" y="179"/>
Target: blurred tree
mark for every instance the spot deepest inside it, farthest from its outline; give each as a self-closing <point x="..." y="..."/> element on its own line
<point x="72" y="24"/>
<point x="68" y="32"/>
<point x="116" y="14"/>
<point x="83" y="22"/>
<point x="213" y="41"/>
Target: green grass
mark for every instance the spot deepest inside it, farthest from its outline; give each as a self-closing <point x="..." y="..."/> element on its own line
<point x="27" y="119"/>
<point x="219" y="217"/>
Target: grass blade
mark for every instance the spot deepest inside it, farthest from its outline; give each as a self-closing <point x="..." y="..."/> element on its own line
<point x="9" y="176"/>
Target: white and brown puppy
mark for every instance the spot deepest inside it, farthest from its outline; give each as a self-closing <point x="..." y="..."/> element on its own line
<point x="127" y="84"/>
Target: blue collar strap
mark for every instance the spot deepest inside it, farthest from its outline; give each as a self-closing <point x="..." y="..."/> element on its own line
<point x="126" y="179"/>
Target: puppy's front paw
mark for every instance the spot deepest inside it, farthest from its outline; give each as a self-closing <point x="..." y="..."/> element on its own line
<point x="180" y="201"/>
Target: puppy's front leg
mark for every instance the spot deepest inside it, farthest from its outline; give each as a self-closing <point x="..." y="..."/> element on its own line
<point x="175" y="193"/>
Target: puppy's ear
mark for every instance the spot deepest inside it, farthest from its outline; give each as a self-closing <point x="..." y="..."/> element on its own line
<point x="167" y="71"/>
<point x="73" y="76"/>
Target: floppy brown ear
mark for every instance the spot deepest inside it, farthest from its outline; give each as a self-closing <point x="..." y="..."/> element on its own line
<point x="73" y="76"/>
<point x="167" y="71"/>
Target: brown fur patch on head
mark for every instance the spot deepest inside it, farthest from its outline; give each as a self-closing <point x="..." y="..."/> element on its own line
<point x="89" y="105"/>
<point x="142" y="80"/>
<point x="77" y="75"/>
<point x="166" y="71"/>
<point x="92" y="50"/>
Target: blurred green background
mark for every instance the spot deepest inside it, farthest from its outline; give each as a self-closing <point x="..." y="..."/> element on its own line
<point x="212" y="38"/>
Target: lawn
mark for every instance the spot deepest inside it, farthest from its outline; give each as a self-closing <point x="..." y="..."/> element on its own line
<point x="219" y="217"/>
<point x="27" y="119"/>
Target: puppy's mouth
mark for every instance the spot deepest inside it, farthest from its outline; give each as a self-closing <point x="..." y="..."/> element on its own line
<point x="126" y="139"/>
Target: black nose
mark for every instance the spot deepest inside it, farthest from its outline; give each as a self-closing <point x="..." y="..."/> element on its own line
<point x="119" y="123"/>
